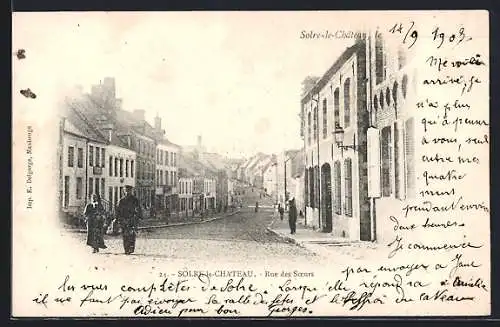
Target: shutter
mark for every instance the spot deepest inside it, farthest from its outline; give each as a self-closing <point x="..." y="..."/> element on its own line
<point x="373" y="158"/>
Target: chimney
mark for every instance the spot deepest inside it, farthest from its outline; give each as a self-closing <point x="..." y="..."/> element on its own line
<point x="157" y="124"/>
<point x="199" y="141"/>
<point x="109" y="87"/>
<point x="139" y="114"/>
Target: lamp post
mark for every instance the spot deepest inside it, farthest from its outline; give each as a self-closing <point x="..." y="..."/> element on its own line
<point x="339" y="134"/>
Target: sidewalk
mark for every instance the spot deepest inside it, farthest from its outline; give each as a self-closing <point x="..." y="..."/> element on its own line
<point x="324" y="244"/>
<point x="151" y="223"/>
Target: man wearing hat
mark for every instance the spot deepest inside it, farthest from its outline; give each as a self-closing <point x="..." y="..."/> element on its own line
<point x="128" y="214"/>
<point x="292" y="215"/>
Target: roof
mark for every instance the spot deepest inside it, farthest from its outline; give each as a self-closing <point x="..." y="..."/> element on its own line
<point x="193" y="167"/>
<point x="76" y="113"/>
<point x="359" y="45"/>
<point x="167" y="142"/>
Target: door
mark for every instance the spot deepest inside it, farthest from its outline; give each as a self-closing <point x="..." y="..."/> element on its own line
<point x="326" y="198"/>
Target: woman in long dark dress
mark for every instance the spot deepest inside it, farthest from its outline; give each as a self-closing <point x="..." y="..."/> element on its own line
<point x="95" y="216"/>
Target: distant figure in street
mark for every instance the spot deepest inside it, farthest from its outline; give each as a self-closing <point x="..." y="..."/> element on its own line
<point x="256" y="206"/>
<point x="281" y="210"/>
<point x="128" y="215"/>
<point x="292" y="216"/>
<point x="95" y="216"/>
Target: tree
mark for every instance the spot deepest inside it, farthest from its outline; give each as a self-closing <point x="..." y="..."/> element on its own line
<point x="308" y="83"/>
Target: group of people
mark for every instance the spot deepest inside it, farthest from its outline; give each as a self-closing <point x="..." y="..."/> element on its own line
<point x="292" y="214"/>
<point x="128" y="214"/>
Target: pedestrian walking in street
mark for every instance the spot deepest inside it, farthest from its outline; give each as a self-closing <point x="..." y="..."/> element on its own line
<point x="292" y="216"/>
<point x="128" y="215"/>
<point x="256" y="206"/>
<point x="281" y="211"/>
<point x="95" y="216"/>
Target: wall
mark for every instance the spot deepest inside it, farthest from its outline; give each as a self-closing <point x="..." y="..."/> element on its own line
<point x="74" y="204"/>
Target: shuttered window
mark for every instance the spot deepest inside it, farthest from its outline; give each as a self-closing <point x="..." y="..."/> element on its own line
<point x="348" y="187"/>
<point x="410" y="157"/>
<point x="397" y="162"/>
<point x="347" y="103"/>
<point x="338" y="188"/>
<point x="386" y="158"/>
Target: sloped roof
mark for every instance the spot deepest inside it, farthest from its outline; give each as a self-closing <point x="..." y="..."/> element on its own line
<point x="167" y="142"/>
<point x="75" y="113"/>
<point x="193" y="167"/>
<point x="359" y="45"/>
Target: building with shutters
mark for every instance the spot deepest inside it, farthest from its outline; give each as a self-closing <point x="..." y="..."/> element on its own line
<point x="335" y="179"/>
<point x="167" y="186"/>
<point x="358" y="132"/>
<point x="391" y="137"/>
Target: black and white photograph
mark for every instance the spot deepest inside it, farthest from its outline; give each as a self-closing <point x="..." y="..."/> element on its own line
<point x="250" y="164"/>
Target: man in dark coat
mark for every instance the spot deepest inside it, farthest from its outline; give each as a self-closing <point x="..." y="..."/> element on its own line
<point x="128" y="214"/>
<point x="292" y="216"/>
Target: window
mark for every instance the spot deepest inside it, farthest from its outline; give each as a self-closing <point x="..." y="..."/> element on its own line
<point x="171" y="158"/>
<point x="97" y="157"/>
<point x="110" y="166"/>
<point x="175" y="178"/>
<point x="80" y="158"/>
<point x="167" y="158"/>
<point x="336" y="106"/>
<point x="71" y="156"/>
<point x="306" y="187"/>
<point x="410" y="157"/>
<point x="325" y="119"/>
<point x="161" y="177"/>
<point x="117" y="196"/>
<point x="397" y="162"/>
<point x="91" y="187"/>
<point x="347" y="103"/>
<point x="121" y="167"/>
<point x="309" y="128"/>
<point x="311" y="187"/>
<point x="103" y="186"/>
<point x="161" y="157"/>
<point x="66" y="191"/>
<point x="315" y="123"/>
<point x="174" y="158"/>
<point x="167" y="180"/>
<point x="110" y="196"/>
<point x="348" y="187"/>
<point x="103" y="157"/>
<point x="386" y="157"/>
<point x="172" y="178"/>
<point x="116" y="166"/>
<point x="132" y="168"/>
<point x="97" y="189"/>
<point x="338" y="188"/>
<point x="79" y="188"/>
<point x="126" y="168"/>
<point x="379" y="61"/>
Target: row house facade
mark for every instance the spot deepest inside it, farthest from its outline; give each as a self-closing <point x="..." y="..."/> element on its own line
<point x="335" y="179"/>
<point x="167" y="181"/>
<point x="391" y="136"/>
<point x="358" y="132"/>
<point x="186" y="203"/>
<point x="94" y="160"/>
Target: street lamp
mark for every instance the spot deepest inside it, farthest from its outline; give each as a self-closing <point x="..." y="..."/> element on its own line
<point x="339" y="139"/>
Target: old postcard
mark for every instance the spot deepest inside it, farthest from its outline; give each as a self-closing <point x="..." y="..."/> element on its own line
<point x="263" y="164"/>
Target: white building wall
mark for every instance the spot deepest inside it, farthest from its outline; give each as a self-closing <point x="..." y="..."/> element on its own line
<point x="116" y="180"/>
<point x="71" y="201"/>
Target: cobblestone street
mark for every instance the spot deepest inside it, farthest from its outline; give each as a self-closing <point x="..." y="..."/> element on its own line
<point x="242" y="237"/>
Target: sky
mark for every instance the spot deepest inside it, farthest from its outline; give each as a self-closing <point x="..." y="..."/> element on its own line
<point x="232" y="77"/>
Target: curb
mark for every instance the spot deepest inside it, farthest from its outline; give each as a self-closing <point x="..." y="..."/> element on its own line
<point x="142" y="228"/>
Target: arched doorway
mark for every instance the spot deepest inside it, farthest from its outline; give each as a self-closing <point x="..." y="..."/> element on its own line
<point x="326" y="198"/>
